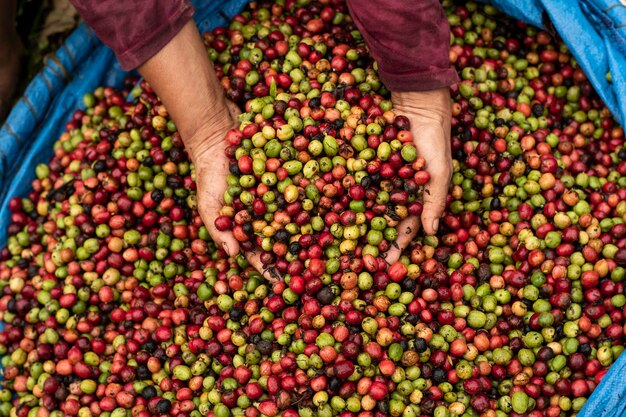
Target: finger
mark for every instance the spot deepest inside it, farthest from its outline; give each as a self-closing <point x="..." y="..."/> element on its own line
<point x="407" y="230"/>
<point x="224" y="239"/>
<point x="435" y="195"/>
<point x="269" y="272"/>
<point x="439" y="166"/>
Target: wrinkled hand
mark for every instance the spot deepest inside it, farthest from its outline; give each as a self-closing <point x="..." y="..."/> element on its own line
<point x="182" y="75"/>
<point x="429" y="113"/>
<point x="211" y="166"/>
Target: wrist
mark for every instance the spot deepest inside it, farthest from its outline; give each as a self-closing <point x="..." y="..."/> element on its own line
<point x="206" y="132"/>
<point x="432" y="104"/>
<point x="437" y="97"/>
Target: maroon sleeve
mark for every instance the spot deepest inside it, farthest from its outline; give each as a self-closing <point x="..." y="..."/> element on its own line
<point x="135" y="29"/>
<point x="409" y="39"/>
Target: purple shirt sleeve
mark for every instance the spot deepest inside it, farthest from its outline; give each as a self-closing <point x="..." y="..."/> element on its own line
<point x="135" y="29"/>
<point x="409" y="39"/>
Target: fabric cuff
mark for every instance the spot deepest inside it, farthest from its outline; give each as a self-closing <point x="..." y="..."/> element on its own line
<point x="157" y="39"/>
<point x="425" y="81"/>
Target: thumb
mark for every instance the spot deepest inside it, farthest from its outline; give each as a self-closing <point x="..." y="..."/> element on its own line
<point x="224" y="239"/>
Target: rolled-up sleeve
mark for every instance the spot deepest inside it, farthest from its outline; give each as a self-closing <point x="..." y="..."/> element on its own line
<point x="410" y="40"/>
<point x="135" y="30"/>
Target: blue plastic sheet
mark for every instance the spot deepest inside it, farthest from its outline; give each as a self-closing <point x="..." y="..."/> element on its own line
<point x="594" y="30"/>
<point x="595" y="33"/>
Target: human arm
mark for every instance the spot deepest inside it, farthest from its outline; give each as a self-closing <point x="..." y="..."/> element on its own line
<point x="181" y="74"/>
<point x="410" y="42"/>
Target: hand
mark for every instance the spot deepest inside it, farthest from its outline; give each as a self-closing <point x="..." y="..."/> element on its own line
<point x="184" y="78"/>
<point x="429" y="113"/>
<point x="211" y="165"/>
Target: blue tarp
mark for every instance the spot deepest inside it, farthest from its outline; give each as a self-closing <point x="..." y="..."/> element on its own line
<point x="595" y="33"/>
<point x="594" y="30"/>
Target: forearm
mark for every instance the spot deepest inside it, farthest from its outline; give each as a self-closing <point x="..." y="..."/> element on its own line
<point x="184" y="79"/>
<point x="410" y="41"/>
<point x="162" y="42"/>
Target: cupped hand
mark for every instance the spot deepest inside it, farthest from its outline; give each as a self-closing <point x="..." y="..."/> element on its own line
<point x="430" y="115"/>
<point x="211" y="165"/>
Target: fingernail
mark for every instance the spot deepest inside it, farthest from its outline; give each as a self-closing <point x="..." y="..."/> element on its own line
<point x="435" y="225"/>
<point x="226" y="248"/>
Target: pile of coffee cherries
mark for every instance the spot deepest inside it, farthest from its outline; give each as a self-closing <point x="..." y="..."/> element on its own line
<point x="116" y="302"/>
